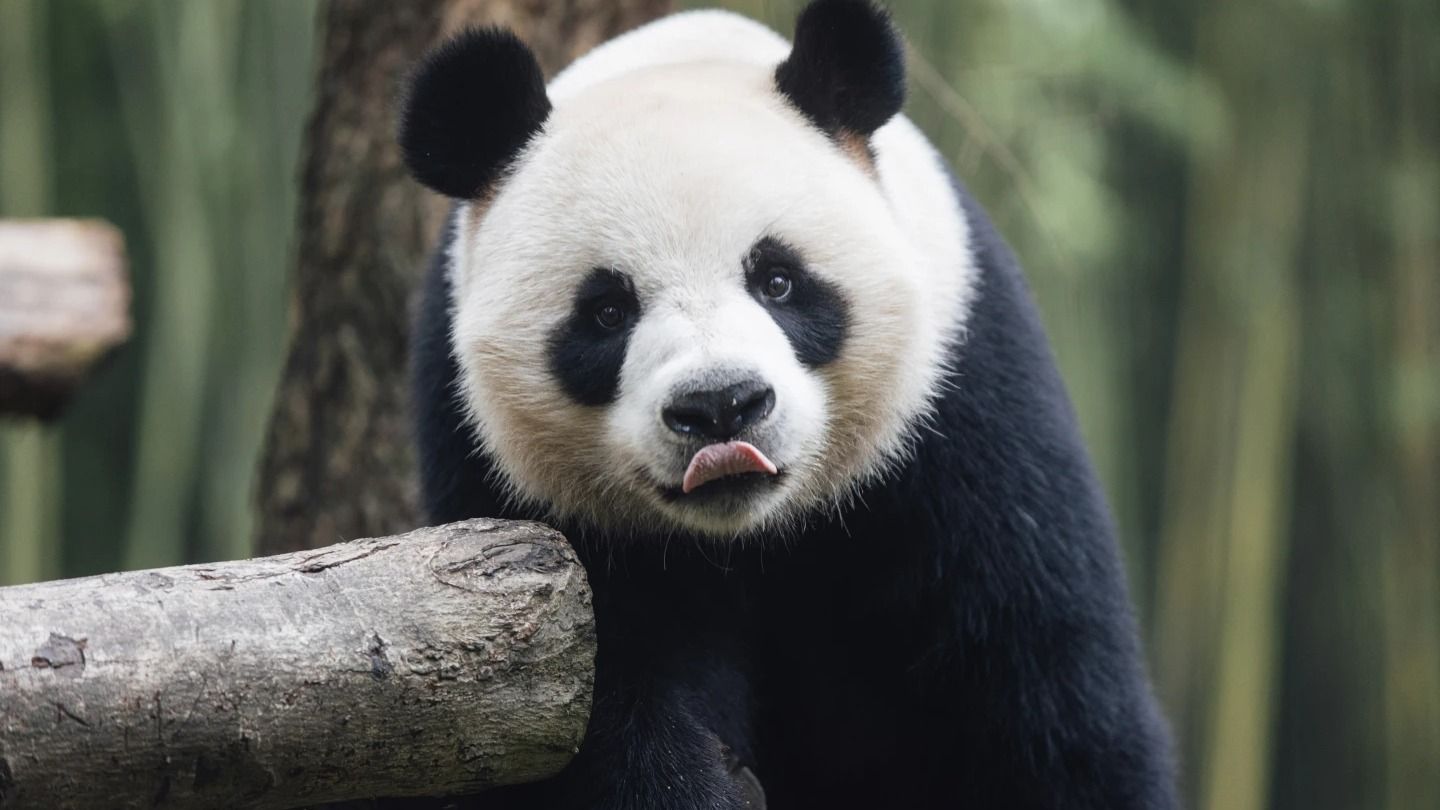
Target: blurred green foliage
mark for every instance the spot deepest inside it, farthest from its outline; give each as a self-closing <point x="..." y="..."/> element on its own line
<point x="180" y="122"/>
<point x="1229" y="212"/>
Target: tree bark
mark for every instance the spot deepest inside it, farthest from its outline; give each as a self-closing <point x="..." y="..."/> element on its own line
<point x="338" y="460"/>
<point x="64" y="306"/>
<point x="445" y="661"/>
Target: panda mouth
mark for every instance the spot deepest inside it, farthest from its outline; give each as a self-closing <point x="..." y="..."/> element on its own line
<point x="716" y="462"/>
<point x="728" y="471"/>
<point x="734" y="488"/>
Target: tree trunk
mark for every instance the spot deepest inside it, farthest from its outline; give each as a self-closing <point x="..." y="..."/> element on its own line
<point x="338" y="461"/>
<point x="446" y="661"/>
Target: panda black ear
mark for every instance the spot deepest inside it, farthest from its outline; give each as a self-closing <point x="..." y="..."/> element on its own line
<point x="846" y="72"/>
<point x="471" y="106"/>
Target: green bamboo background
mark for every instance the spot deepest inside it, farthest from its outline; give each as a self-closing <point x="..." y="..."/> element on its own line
<point x="1230" y="213"/>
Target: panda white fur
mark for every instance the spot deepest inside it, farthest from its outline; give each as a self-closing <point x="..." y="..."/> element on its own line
<point x="713" y="308"/>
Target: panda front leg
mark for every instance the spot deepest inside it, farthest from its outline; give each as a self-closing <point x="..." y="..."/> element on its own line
<point x="655" y="744"/>
<point x="647" y="749"/>
<point x="670" y="721"/>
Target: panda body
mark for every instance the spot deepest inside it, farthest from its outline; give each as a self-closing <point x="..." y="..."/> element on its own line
<point x="916" y="601"/>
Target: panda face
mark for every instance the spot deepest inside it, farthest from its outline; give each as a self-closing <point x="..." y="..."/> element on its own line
<point x="685" y="309"/>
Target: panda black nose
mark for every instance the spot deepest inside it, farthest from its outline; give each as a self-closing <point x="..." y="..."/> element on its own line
<point x="720" y="414"/>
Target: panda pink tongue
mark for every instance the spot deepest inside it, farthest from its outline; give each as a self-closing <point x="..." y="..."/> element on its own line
<point x="719" y="460"/>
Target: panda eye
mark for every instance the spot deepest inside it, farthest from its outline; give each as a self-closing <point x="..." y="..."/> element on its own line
<point x="777" y="286"/>
<point x="610" y="316"/>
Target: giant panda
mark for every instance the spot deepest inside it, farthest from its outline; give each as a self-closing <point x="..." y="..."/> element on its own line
<point x="711" y="306"/>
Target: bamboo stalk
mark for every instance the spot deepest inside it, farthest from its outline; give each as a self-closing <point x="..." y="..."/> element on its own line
<point x="255" y="198"/>
<point x="1232" y="435"/>
<point x="30" y="459"/>
<point x="168" y="147"/>
<point x="1411" y="560"/>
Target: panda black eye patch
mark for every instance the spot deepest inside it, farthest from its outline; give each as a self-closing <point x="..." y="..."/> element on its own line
<point x="809" y="310"/>
<point x="587" y="349"/>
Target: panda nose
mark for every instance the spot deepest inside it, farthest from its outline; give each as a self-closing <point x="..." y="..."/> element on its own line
<point x="720" y="414"/>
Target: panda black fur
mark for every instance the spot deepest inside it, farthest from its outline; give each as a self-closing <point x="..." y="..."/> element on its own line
<point x="946" y="627"/>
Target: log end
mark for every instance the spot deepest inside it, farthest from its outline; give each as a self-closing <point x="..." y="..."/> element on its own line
<point x="64" y="307"/>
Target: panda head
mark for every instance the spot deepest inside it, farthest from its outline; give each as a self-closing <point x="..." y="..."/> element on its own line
<point x="681" y="300"/>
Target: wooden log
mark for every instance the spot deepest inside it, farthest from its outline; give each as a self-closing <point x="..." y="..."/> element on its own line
<point x="64" y="305"/>
<point x="440" y="662"/>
